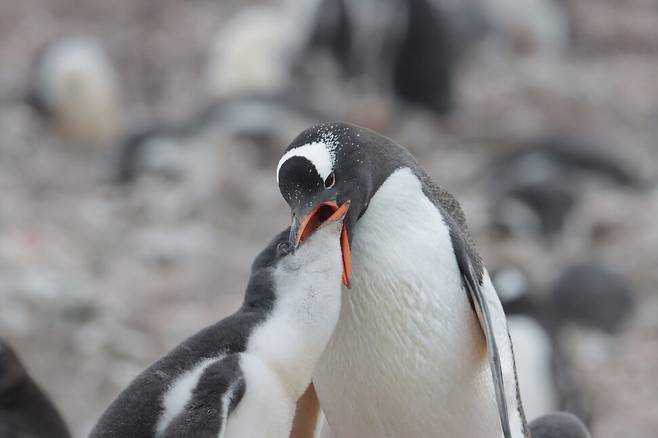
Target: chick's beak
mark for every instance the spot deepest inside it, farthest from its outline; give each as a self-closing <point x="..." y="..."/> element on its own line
<point x="300" y="230"/>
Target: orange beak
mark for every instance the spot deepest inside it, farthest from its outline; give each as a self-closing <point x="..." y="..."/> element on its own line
<point x="329" y="211"/>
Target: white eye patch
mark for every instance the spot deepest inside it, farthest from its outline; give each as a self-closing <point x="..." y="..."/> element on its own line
<point x="320" y="155"/>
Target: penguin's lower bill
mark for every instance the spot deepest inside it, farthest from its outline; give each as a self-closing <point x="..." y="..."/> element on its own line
<point x="328" y="211"/>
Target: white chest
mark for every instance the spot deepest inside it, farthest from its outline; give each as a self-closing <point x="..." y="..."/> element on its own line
<point x="408" y="357"/>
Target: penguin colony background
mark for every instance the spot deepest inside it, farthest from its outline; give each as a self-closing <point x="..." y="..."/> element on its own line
<point x="120" y="240"/>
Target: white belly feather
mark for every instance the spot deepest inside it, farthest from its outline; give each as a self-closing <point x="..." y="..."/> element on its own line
<point x="266" y="408"/>
<point x="408" y="357"/>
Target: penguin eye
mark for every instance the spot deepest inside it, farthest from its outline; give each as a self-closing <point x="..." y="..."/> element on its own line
<point x="330" y="181"/>
<point x="284" y="248"/>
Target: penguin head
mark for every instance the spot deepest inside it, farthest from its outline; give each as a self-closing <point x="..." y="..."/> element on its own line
<point x="328" y="166"/>
<point x="11" y="369"/>
<point x="319" y="255"/>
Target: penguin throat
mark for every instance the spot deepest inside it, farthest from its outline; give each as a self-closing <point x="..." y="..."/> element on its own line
<point x="328" y="211"/>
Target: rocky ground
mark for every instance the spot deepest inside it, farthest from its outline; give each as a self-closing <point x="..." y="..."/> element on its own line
<point x="98" y="280"/>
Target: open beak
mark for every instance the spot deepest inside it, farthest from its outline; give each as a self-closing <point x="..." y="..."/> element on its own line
<point x="326" y="211"/>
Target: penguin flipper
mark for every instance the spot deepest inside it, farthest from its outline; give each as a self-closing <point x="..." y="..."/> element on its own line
<point x="484" y="314"/>
<point x="218" y="391"/>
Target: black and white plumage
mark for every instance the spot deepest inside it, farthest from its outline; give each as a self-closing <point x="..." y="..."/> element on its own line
<point x="25" y="410"/>
<point x="403" y="47"/>
<point x="422" y="341"/>
<point x="242" y="376"/>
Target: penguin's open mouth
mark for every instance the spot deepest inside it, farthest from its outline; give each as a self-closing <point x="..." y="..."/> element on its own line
<point x="328" y="211"/>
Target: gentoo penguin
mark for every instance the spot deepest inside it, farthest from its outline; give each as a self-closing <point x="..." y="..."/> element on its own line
<point x="25" y="410"/>
<point x="402" y="47"/>
<point x="74" y="87"/>
<point x="421" y="347"/>
<point x="422" y="342"/>
<point x="242" y="376"/>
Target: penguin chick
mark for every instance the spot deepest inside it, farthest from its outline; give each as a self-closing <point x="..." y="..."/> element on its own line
<point x="25" y="410"/>
<point x="536" y="209"/>
<point x="242" y="376"/>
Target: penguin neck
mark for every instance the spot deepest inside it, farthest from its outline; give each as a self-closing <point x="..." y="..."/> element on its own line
<point x="299" y="324"/>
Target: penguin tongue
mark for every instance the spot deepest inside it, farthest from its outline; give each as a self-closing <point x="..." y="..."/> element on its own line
<point x="329" y="211"/>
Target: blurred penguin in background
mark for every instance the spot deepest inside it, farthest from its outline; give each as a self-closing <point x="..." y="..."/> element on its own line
<point x="411" y="49"/>
<point x="25" y="410"/>
<point x="533" y="346"/>
<point x="74" y="87"/>
<point x="397" y="47"/>
<point x="538" y="186"/>
<point x="189" y="163"/>
<point x="588" y="296"/>
<point x="251" y="111"/>
<point x="253" y="51"/>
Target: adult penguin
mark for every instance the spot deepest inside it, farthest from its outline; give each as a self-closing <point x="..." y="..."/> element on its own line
<point x="421" y="347"/>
